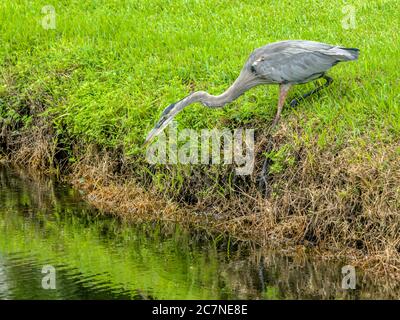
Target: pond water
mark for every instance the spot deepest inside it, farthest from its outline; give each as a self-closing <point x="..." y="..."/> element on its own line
<point x="44" y="223"/>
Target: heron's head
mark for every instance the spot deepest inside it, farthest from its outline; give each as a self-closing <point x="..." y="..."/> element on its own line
<point x="171" y="111"/>
<point x="166" y="117"/>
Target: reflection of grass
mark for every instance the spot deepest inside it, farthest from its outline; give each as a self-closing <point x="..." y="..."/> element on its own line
<point x="63" y="232"/>
<point x="157" y="267"/>
<point x="271" y="293"/>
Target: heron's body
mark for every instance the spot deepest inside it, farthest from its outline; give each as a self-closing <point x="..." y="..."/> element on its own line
<point x="296" y="61"/>
<point x="285" y="63"/>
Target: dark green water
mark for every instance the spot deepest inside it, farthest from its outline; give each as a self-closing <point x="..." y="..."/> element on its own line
<point x="96" y="257"/>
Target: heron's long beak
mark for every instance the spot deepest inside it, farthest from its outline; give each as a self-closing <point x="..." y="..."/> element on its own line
<point x="152" y="134"/>
<point x="158" y="128"/>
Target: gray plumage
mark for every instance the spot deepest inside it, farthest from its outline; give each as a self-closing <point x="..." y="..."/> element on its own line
<point x="296" y="61"/>
<point x="285" y="63"/>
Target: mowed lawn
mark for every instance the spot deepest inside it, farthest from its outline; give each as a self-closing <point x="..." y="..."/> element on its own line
<point x="108" y="68"/>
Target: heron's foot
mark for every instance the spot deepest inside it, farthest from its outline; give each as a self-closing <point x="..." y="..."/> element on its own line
<point x="295" y="102"/>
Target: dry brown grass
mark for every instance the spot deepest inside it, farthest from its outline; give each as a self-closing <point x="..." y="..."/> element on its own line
<point x="32" y="145"/>
<point x="347" y="200"/>
<point x="118" y="195"/>
<point x="34" y="149"/>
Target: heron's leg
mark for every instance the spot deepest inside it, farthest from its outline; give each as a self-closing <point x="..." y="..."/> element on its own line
<point x="296" y="101"/>
<point x="263" y="182"/>
<point x="283" y="91"/>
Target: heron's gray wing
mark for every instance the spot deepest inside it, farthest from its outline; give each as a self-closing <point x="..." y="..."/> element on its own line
<point x="298" y="67"/>
<point x="297" y="61"/>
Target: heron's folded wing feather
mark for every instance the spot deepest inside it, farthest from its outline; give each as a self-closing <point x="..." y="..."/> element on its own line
<point x="296" y="66"/>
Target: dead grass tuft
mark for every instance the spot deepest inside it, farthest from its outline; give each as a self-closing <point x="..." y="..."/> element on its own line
<point x="94" y="175"/>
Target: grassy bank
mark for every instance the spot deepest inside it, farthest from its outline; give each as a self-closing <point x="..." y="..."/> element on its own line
<point x="80" y="98"/>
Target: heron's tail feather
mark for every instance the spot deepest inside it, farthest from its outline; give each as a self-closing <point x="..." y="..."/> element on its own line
<point x="342" y="54"/>
<point x="352" y="53"/>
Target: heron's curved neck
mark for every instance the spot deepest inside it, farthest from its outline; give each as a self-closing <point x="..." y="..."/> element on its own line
<point x="211" y="101"/>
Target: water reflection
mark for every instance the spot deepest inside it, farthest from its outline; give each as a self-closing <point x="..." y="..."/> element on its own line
<point x="97" y="257"/>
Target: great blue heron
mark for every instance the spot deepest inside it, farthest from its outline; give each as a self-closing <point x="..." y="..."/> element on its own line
<point x="285" y="63"/>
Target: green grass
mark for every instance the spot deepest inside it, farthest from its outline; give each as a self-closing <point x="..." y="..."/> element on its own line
<point x="109" y="68"/>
